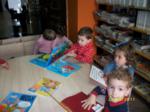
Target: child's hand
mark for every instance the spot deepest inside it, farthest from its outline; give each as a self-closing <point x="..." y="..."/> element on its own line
<point x="89" y="102"/>
<point x="105" y="78"/>
<point x="71" y="53"/>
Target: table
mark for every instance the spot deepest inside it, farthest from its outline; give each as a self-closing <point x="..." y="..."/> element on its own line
<point x="22" y="75"/>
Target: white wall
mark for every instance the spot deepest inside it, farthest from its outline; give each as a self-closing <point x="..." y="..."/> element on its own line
<point x="14" y="4"/>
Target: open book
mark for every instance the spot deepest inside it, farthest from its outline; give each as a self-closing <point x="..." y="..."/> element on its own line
<point x="45" y="60"/>
<point x="64" y="66"/>
<point x="17" y="102"/>
<point x="45" y="87"/>
<point x="97" y="75"/>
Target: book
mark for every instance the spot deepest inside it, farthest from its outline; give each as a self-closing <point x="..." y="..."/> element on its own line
<point x="73" y="103"/>
<point x="64" y="66"/>
<point x="97" y="75"/>
<point x="17" y="102"/>
<point x="45" y="60"/>
<point x="45" y="86"/>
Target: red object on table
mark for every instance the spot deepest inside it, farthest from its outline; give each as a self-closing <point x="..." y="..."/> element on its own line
<point x="4" y="63"/>
<point x="74" y="102"/>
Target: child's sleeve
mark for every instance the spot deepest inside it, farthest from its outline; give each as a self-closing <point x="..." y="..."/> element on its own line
<point x="109" y="68"/>
<point x="73" y="47"/>
<point x="131" y="71"/>
<point x="37" y="45"/>
<point x="66" y="39"/>
<point x="87" y="56"/>
<point x="99" y="91"/>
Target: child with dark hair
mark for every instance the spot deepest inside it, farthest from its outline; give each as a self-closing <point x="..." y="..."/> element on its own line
<point x="84" y="50"/>
<point x="118" y="90"/>
<point x="61" y="37"/>
<point x="44" y="44"/>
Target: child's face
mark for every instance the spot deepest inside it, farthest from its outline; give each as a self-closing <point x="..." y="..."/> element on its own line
<point x="120" y="58"/>
<point x="117" y="89"/>
<point x="82" y="40"/>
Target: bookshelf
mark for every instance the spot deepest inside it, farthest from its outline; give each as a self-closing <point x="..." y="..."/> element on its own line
<point x="119" y="22"/>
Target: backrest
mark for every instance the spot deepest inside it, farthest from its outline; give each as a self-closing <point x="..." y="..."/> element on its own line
<point x="11" y="50"/>
<point x="11" y="40"/>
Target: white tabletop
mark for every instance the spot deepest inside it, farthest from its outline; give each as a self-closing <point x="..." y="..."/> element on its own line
<point x="22" y="75"/>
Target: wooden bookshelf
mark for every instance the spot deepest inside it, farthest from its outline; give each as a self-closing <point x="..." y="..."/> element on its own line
<point x="100" y="46"/>
<point x="96" y="59"/>
<point x="141" y="93"/>
<point x="146" y="76"/>
<point x="131" y="7"/>
<point x="143" y="54"/>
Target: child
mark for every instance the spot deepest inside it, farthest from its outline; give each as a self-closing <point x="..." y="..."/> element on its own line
<point x="44" y="44"/>
<point x="119" y="87"/>
<point x="60" y="37"/>
<point x="122" y="58"/>
<point x="84" y="50"/>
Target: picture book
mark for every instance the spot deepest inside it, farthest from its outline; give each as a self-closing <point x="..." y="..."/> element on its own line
<point x="97" y="75"/>
<point x="46" y="59"/>
<point x="64" y="66"/>
<point x="17" y="102"/>
<point x="45" y="87"/>
<point x="73" y="103"/>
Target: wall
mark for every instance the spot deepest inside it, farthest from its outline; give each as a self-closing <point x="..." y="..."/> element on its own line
<point x="85" y="13"/>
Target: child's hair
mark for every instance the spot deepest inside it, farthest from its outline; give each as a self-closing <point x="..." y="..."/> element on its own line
<point x="86" y="31"/>
<point x="121" y="74"/>
<point x="128" y="53"/>
<point x="49" y="34"/>
<point x="60" y="30"/>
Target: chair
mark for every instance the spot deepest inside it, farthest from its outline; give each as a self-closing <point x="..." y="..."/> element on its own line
<point x="11" y="50"/>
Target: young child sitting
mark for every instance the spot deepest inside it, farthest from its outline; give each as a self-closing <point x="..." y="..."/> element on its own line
<point x="84" y="50"/>
<point x="44" y="44"/>
<point x="61" y="37"/>
<point x="119" y="87"/>
<point x="123" y="57"/>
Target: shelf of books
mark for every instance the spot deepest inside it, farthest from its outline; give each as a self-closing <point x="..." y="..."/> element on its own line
<point x="147" y="56"/>
<point x="105" y="48"/>
<point x="131" y="27"/>
<point x="144" y="75"/>
<point x="144" y="94"/>
<point x="137" y="4"/>
<point x="97" y="60"/>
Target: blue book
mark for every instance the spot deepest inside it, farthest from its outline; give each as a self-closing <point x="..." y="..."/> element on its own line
<point x="45" y="60"/>
<point x="17" y="102"/>
<point x="63" y="67"/>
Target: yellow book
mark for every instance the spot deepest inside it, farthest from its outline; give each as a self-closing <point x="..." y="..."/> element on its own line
<point x="45" y="87"/>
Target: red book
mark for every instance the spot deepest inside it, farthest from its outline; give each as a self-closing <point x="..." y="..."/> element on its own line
<point x="73" y="103"/>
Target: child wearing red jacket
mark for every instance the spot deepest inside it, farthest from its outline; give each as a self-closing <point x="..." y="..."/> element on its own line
<point x="84" y="50"/>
